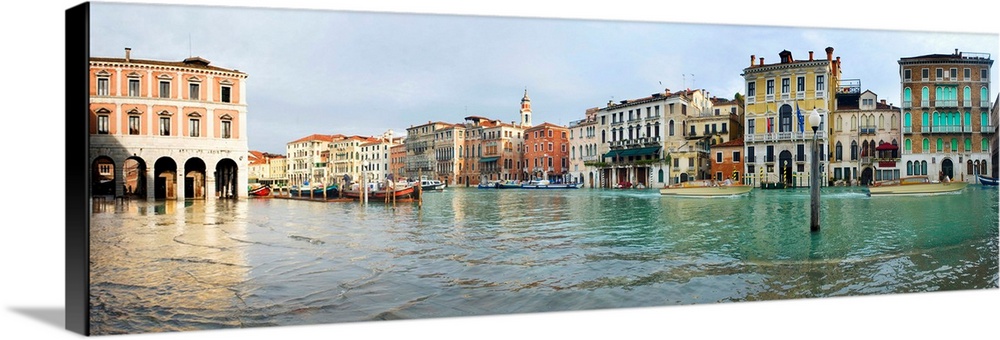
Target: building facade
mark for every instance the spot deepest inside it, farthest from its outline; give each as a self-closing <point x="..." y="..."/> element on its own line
<point x="778" y="144"/>
<point x="727" y="161"/>
<point x="377" y="152"/>
<point x="546" y="154"/>
<point x="420" y="154"/>
<point x="583" y="148"/>
<point x="167" y="129"/>
<point x="864" y="137"/>
<point x="946" y="109"/>
<point x="397" y="162"/>
<point x="308" y="159"/>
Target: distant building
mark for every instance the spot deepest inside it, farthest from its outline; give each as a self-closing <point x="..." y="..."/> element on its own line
<point x="167" y="129"/>
<point x="546" y="154"/>
<point x="420" y="153"/>
<point x="377" y="152"/>
<point x="308" y="159"/>
<point x="266" y="168"/>
<point x="397" y="159"/>
<point x="779" y="98"/>
<point x="865" y="137"/>
<point x="584" y="151"/>
<point x="727" y="161"/>
<point x="946" y="108"/>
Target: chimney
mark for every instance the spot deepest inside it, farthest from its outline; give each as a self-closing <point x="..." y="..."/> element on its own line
<point x="810" y="55"/>
<point x="128" y="54"/>
<point x="667" y="92"/>
<point x="752" y="59"/>
<point x="761" y="61"/>
<point x="883" y="101"/>
<point x="829" y="53"/>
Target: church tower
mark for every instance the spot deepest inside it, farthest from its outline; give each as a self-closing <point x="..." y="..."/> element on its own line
<point x="525" y="110"/>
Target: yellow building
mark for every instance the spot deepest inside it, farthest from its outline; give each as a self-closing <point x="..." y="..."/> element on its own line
<point x="779" y="98"/>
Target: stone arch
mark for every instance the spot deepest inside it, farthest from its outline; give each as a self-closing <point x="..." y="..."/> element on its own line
<point x="103" y="175"/>
<point x="194" y="178"/>
<point x="165" y="178"/>
<point x="226" y="174"/>
<point x="134" y="173"/>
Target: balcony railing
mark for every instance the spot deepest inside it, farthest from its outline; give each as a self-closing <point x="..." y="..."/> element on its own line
<point x="946" y="128"/>
<point x="967" y="103"/>
<point x="987" y="128"/>
<point x="984" y="103"/>
<point x="925" y="129"/>
<point x="946" y="103"/>
<point x="907" y="129"/>
<point x="967" y="128"/>
<point x="907" y="104"/>
<point x="782" y="136"/>
<point x="925" y="103"/>
<point x="866" y="160"/>
<point x="867" y="130"/>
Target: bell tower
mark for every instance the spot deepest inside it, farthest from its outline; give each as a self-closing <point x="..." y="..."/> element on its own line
<point x="525" y="110"/>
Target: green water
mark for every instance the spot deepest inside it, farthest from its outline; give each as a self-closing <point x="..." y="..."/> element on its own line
<point x="163" y="266"/>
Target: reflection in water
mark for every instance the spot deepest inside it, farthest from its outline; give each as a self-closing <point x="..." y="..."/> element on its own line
<point x="164" y="266"/>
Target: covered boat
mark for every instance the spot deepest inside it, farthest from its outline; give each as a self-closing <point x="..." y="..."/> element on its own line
<point x="914" y="185"/>
<point x="331" y="191"/>
<point x="545" y="184"/>
<point x="987" y="181"/>
<point x="706" y="189"/>
<point x="399" y="191"/>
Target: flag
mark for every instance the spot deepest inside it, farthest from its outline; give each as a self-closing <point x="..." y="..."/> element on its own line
<point x="802" y="119"/>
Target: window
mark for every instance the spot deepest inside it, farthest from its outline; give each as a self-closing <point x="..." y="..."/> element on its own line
<point x="926" y="145"/>
<point x="968" y="144"/>
<point x="164" y="126"/>
<point x="820" y="83"/>
<point x="985" y="146"/>
<point x="983" y="75"/>
<point x="940" y="145"/>
<point x="967" y="72"/>
<point x="103" y="85"/>
<point x="671" y="128"/>
<point x="133" y="125"/>
<point x="718" y="157"/>
<point x="953" y="73"/>
<point x="907" y="145"/>
<point x="226" y="92"/>
<point x="939" y="73"/>
<point x="785" y="85"/>
<point x="103" y="124"/>
<point x="194" y="91"/>
<point x="227" y="129"/>
<point x="751" y="89"/>
<point x="164" y="89"/>
<point x="854" y="149"/>
<point x="925" y="73"/>
<point x="133" y="87"/>
<point x="906" y="74"/>
<point x="736" y="156"/>
<point x="770" y="86"/>
<point x="800" y="84"/>
<point x="194" y="127"/>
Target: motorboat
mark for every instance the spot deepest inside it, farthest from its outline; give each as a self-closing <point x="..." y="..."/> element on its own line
<point x="914" y="185"/>
<point x="706" y="189"/>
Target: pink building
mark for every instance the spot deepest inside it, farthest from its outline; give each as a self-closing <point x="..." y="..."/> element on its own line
<point x="167" y="129"/>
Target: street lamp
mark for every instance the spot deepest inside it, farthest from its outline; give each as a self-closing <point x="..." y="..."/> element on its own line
<point x="814" y="123"/>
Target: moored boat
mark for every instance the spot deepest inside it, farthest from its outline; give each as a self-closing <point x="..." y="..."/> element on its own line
<point x="987" y="181"/>
<point x="431" y="184"/>
<point x="914" y="185"/>
<point x="508" y="184"/>
<point x="261" y="191"/>
<point x="705" y="189"/>
<point x="400" y="191"/>
<point x="331" y="191"/>
<point x="545" y="184"/>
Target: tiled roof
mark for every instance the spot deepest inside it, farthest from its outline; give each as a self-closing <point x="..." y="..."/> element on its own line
<point x="319" y="137"/>
<point x="735" y="142"/>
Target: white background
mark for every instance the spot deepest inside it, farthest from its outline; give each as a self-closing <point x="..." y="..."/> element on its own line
<point x="33" y="211"/>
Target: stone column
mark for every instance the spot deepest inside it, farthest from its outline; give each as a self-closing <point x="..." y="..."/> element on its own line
<point x="180" y="183"/>
<point x="119" y="178"/>
<point x="209" y="183"/>
<point x="150" y="183"/>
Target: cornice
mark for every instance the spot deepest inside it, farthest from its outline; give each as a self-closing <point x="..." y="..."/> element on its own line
<point x="165" y="68"/>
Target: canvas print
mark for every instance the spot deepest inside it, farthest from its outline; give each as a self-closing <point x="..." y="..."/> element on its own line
<point x="300" y="167"/>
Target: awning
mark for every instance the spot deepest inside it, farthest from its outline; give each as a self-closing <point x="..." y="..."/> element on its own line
<point x="633" y="152"/>
<point x="887" y="146"/>
<point x="488" y="159"/>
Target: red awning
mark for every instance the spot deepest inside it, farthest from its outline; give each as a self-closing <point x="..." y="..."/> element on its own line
<point x="887" y="146"/>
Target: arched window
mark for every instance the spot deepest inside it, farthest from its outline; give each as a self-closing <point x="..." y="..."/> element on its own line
<point x="907" y="122"/>
<point x="854" y="123"/>
<point x="854" y="150"/>
<point x="924" y="121"/>
<point x="954" y="145"/>
<point x="925" y="97"/>
<point x="968" y="121"/>
<point x="982" y="167"/>
<point x="926" y="146"/>
<point x="940" y="145"/>
<point x="969" y="167"/>
<point x="985" y="146"/>
<point x="894" y="122"/>
<point x="983" y="120"/>
<point x="923" y="168"/>
<point x="840" y="124"/>
<point x="881" y="122"/>
<point x="984" y="95"/>
<point x="968" y="145"/>
<point x="909" y="168"/>
<point x="839" y="152"/>
<point x="907" y="97"/>
<point x="967" y="96"/>
<point x="603" y="135"/>
<point x="908" y="145"/>
<point x="670" y="128"/>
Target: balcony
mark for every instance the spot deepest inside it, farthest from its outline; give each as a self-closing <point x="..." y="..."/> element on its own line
<point x="867" y="130"/>
<point x="907" y="104"/>
<point x="945" y="103"/>
<point x="967" y="103"/>
<point x="984" y="104"/>
<point x="988" y="128"/>
<point x="907" y="129"/>
<point x="866" y="161"/>
<point x="946" y="129"/>
<point x="783" y="136"/>
<point x="769" y="159"/>
<point x="925" y="103"/>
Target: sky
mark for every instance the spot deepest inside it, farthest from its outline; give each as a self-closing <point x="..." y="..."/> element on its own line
<point x="337" y="71"/>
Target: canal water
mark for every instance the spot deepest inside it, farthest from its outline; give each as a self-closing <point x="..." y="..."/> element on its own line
<point x="170" y="266"/>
